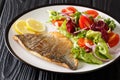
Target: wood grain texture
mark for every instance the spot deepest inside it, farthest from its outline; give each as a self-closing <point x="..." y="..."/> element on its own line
<point x="1" y="5"/>
<point x="13" y="69"/>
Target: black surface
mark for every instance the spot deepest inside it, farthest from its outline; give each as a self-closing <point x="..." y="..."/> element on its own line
<point x="13" y="69"/>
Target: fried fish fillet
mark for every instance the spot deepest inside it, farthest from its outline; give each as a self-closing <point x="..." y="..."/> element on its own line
<point x="53" y="47"/>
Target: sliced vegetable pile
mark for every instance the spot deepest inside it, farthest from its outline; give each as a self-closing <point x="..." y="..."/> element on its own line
<point x="92" y="35"/>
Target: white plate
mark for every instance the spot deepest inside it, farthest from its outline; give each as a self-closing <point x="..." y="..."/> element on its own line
<point x="41" y="14"/>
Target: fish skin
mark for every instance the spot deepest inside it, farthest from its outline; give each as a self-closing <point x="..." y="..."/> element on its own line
<point x="53" y="47"/>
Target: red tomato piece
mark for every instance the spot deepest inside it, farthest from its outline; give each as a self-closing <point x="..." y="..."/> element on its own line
<point x="72" y="9"/>
<point x="58" y="22"/>
<point x="89" y="41"/>
<point x="69" y="10"/>
<point x="113" y="39"/>
<point x="64" y="10"/>
<point x="82" y="43"/>
<point x="85" y="22"/>
<point x="92" y="13"/>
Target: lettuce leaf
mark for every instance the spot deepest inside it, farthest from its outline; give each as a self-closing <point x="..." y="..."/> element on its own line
<point x="80" y="54"/>
<point x="54" y="15"/>
<point x="111" y="24"/>
<point x="76" y="16"/>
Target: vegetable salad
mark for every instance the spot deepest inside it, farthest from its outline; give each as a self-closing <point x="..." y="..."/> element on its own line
<point x="91" y="34"/>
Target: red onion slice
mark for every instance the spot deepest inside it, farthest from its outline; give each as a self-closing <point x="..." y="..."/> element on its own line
<point x="104" y="60"/>
<point x="76" y="32"/>
<point x="66" y="13"/>
<point x="90" y="46"/>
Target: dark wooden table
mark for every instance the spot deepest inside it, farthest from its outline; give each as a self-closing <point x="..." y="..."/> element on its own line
<point x="14" y="69"/>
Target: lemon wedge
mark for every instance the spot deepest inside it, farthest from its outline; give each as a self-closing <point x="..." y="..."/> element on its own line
<point x="35" y="25"/>
<point x="21" y="27"/>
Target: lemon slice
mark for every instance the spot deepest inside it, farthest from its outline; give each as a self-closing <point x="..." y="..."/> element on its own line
<point x="35" y="25"/>
<point x="21" y="27"/>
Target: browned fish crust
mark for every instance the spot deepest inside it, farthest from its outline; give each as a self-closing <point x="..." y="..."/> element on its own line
<point x="53" y="47"/>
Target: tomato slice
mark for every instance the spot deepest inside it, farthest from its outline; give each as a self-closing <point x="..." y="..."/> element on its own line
<point x="113" y="39"/>
<point x="57" y="22"/>
<point x="69" y="10"/>
<point x="72" y="9"/>
<point x="92" y="13"/>
<point x="64" y="10"/>
<point x="85" y="22"/>
<point x="82" y="43"/>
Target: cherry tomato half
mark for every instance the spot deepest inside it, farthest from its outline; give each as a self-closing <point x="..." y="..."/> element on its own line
<point x="57" y="22"/>
<point x="113" y="39"/>
<point x="82" y="43"/>
<point x="92" y="13"/>
<point x="85" y="22"/>
<point x="69" y="10"/>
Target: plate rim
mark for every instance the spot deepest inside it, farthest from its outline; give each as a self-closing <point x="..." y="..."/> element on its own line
<point x="7" y="28"/>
